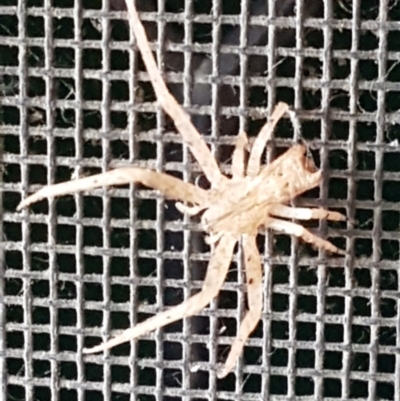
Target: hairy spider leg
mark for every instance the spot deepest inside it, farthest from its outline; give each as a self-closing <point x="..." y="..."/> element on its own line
<point x="171" y="187"/>
<point x="253" y="268"/>
<point x="257" y="149"/>
<point x="287" y="227"/>
<point x="181" y="119"/>
<point x="215" y="277"/>
<point x="303" y="213"/>
<point x="238" y="157"/>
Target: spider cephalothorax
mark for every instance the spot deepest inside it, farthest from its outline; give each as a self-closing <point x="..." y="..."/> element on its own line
<point x="233" y="209"/>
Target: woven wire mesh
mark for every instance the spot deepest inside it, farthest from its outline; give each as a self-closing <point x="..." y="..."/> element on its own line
<point x="77" y="100"/>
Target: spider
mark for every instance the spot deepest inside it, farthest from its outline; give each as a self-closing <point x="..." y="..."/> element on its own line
<point x="234" y="209"/>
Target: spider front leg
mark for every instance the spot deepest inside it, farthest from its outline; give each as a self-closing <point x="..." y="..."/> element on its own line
<point x="252" y="263"/>
<point x="215" y="276"/>
<point x="287" y="227"/>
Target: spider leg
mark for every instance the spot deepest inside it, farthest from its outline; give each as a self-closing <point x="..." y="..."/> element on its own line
<point x="303" y="213"/>
<point x="297" y="230"/>
<point x="216" y="272"/>
<point x="253" y="268"/>
<point x="189" y="210"/>
<point x="238" y="157"/>
<point x="181" y="119"/>
<point x="257" y="149"/>
<point x="170" y="186"/>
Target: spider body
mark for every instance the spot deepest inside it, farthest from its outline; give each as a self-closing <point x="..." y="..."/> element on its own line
<point x="233" y="209"/>
<point x="243" y="203"/>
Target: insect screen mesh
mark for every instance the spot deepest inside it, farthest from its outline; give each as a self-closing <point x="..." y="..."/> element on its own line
<point x="75" y="99"/>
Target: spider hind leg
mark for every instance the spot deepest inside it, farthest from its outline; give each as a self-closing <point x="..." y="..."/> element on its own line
<point x="252" y="262"/>
<point x="215" y="276"/>
<point x="304" y="213"/>
<point x="287" y="227"/>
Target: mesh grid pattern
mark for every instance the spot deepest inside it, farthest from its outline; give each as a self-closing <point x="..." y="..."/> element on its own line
<point x="76" y="100"/>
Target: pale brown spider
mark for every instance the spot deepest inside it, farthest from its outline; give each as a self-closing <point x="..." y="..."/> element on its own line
<point x="234" y="209"/>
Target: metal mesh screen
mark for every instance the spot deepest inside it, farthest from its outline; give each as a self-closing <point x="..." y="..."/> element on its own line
<point x="75" y="99"/>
